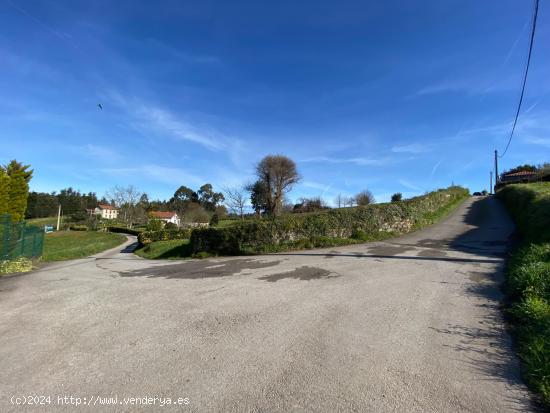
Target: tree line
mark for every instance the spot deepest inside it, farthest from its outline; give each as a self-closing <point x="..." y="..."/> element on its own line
<point x="276" y="175"/>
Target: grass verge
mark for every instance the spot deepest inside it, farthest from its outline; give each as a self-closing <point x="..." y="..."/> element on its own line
<point x="40" y="222"/>
<point x="172" y="249"/>
<point x="66" y="245"/>
<point x="528" y="282"/>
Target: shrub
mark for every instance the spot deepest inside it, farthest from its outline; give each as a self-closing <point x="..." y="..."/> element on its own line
<point x="364" y="198"/>
<point x="20" y="264"/>
<point x="169" y="226"/>
<point x="154" y="224"/>
<point x="76" y="227"/>
<point x="122" y="230"/>
<point x="367" y="222"/>
<point x="146" y="237"/>
<point x="215" y="220"/>
<point x="397" y="197"/>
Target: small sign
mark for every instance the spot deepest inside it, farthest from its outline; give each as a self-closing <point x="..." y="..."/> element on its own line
<point x="48" y="228"/>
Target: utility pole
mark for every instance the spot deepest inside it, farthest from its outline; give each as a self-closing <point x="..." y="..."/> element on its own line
<point x="496" y="167"/>
<point x="58" y="217"/>
<point x="491" y="182"/>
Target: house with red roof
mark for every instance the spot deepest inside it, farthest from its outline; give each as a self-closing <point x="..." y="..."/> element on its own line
<point x="106" y="211"/>
<point x="167" y="216"/>
<point x="521" y="176"/>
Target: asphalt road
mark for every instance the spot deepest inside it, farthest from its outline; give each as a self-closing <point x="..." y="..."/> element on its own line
<point x="412" y="324"/>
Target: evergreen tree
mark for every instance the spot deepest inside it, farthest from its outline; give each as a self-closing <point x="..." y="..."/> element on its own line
<point x="18" y="192"/>
<point x="4" y="191"/>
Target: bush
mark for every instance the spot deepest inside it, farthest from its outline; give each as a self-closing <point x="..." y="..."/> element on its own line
<point x="21" y="264"/>
<point x="169" y="226"/>
<point x="123" y="230"/>
<point x="364" y="198"/>
<point x="76" y="227"/>
<point x="154" y="224"/>
<point x="146" y="237"/>
<point x="529" y="205"/>
<point x="397" y="197"/>
<point x="215" y="220"/>
<point x="364" y="223"/>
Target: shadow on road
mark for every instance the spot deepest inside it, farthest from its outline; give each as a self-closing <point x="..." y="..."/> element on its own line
<point x="392" y="257"/>
<point x="199" y="269"/>
<point x="488" y="348"/>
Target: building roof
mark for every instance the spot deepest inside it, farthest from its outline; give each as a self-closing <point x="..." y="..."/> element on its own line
<point x="521" y="173"/>
<point x="106" y="206"/>
<point x="163" y="214"/>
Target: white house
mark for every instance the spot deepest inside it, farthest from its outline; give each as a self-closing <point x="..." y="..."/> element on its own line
<point x="167" y="216"/>
<point x="106" y="211"/>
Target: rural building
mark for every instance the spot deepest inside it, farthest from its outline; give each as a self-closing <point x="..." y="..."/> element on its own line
<point x="522" y="176"/>
<point x="167" y="216"/>
<point x="105" y="211"/>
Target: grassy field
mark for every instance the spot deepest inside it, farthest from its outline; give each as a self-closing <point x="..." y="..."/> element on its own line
<point x="40" y="222"/>
<point x="173" y="249"/>
<point x="227" y="223"/>
<point x="66" y="245"/>
<point x="528" y="281"/>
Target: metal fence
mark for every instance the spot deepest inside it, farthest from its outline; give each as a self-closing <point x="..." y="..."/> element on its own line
<point x="17" y="239"/>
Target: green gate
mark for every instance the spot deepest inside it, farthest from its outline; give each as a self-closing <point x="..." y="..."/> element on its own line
<point x="17" y="239"/>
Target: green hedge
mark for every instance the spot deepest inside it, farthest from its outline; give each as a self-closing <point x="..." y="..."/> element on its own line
<point x="76" y="227"/>
<point x="123" y="230"/>
<point x="333" y="227"/>
<point x="529" y="205"/>
<point x="528" y="281"/>
<point x="146" y="237"/>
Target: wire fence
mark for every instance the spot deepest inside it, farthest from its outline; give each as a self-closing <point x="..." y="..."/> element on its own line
<point x="17" y="239"/>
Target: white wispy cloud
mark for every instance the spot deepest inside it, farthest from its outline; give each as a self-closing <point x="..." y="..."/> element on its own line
<point x="324" y="188"/>
<point x="514" y="45"/>
<point x="409" y="185"/>
<point x="414" y="148"/>
<point x="157" y="173"/>
<point x="153" y="118"/>
<point x="357" y="161"/>
<point x="102" y="153"/>
<point x="182" y="55"/>
<point x="434" y="169"/>
<point x="445" y="87"/>
<point x="166" y="122"/>
<point x="532" y="128"/>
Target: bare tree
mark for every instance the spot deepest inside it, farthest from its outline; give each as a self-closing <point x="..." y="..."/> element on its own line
<point x="348" y="201"/>
<point x="126" y="199"/>
<point x="339" y="201"/>
<point x="364" y="197"/>
<point x="236" y="198"/>
<point x="278" y="173"/>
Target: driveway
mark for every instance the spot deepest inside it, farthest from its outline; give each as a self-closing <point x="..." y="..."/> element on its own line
<point x="412" y="324"/>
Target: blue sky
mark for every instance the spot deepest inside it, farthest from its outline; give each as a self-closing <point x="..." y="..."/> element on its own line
<point x="393" y="96"/>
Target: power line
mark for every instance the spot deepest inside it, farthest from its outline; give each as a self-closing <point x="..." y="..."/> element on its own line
<point x="535" y="13"/>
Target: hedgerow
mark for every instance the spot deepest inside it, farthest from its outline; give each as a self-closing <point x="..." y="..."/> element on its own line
<point x="123" y="230"/>
<point x="333" y="227"/>
<point x="528" y="281"/>
<point x="146" y="237"/>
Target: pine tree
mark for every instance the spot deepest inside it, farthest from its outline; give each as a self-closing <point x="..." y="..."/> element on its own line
<point x="18" y="192"/>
